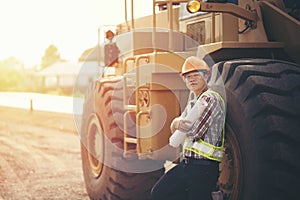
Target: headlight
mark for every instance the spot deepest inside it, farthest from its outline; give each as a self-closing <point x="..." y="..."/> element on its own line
<point x="193" y="6"/>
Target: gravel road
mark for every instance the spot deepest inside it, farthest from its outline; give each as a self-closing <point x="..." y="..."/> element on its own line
<point x="39" y="156"/>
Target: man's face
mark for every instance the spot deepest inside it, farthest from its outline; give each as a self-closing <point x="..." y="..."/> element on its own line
<point x="195" y="81"/>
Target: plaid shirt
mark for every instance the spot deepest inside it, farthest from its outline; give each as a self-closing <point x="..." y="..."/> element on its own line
<point x="209" y="127"/>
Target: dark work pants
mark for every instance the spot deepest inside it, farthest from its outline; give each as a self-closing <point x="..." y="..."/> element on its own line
<point x="192" y="181"/>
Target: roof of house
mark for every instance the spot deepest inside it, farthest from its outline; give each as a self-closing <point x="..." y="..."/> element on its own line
<point x="60" y="68"/>
<point x="69" y="68"/>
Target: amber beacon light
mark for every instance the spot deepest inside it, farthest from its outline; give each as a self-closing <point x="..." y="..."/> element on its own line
<point x="193" y="6"/>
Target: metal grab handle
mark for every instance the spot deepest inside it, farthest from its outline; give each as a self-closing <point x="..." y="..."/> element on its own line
<point x="138" y="131"/>
<point x="125" y="63"/>
<point x="147" y="58"/>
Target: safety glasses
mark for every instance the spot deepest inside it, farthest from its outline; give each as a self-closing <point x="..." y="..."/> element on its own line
<point x="194" y="75"/>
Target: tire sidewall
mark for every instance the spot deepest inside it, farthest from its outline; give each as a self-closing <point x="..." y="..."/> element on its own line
<point x="241" y="125"/>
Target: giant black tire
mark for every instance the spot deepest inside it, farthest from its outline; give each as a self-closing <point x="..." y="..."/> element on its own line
<point x="102" y="144"/>
<point x="262" y="129"/>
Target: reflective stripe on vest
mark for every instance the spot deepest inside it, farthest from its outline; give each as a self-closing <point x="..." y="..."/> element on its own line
<point x="203" y="148"/>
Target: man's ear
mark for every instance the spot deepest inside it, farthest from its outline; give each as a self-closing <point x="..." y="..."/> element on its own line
<point x="208" y="73"/>
<point x="207" y="76"/>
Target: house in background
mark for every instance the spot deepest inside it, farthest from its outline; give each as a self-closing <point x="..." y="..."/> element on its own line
<point x="70" y="76"/>
<point x="59" y="75"/>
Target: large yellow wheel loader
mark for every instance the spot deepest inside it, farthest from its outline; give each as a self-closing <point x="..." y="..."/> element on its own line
<point x="252" y="47"/>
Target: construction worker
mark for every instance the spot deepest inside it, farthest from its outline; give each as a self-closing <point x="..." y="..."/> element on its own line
<point x="196" y="175"/>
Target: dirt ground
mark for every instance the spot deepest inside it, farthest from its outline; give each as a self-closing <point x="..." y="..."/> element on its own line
<point x="39" y="156"/>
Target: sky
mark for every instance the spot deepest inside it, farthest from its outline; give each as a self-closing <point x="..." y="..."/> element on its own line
<point x="28" y="27"/>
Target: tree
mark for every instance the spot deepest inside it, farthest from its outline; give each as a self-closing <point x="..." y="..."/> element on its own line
<point x="11" y="74"/>
<point x="51" y="56"/>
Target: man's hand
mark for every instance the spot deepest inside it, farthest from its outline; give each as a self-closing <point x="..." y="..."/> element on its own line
<point x="180" y="124"/>
<point x="165" y="153"/>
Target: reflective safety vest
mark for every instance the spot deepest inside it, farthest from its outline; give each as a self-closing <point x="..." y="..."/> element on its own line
<point x="206" y="149"/>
